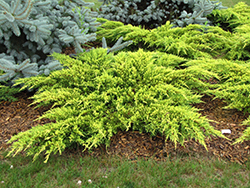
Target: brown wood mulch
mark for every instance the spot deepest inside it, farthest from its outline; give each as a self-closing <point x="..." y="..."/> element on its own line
<point x="19" y="116"/>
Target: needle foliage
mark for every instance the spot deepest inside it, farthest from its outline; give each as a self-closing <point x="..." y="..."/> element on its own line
<point x="98" y="94"/>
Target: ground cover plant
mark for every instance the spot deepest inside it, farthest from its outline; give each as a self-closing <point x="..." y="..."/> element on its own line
<point x="141" y="89"/>
<point x="100" y="93"/>
<point x="191" y="42"/>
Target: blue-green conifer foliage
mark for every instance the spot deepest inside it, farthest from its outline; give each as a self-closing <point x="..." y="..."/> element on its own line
<point x="151" y="14"/>
<point x="30" y="30"/>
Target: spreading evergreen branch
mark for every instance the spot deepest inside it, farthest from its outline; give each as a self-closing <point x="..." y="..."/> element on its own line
<point x="99" y="94"/>
<point x="193" y="41"/>
<point x="7" y="92"/>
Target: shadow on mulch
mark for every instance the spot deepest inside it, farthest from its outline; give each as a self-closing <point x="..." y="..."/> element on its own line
<point x="19" y="116"/>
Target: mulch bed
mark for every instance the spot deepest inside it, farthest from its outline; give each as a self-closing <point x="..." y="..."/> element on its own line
<point x="19" y="116"/>
<point x="133" y="144"/>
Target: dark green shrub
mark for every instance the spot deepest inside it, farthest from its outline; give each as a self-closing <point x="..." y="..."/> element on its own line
<point x="151" y="14"/>
<point x="7" y="92"/>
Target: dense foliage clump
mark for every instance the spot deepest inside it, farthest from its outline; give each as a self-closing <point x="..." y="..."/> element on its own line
<point x="32" y="30"/>
<point x="151" y="14"/>
<point x="6" y="93"/>
<point x="193" y="41"/>
<point x="99" y="94"/>
<point x="233" y="86"/>
<point x="231" y="18"/>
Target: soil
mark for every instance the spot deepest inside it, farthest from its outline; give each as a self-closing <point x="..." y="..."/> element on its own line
<point x="19" y="116"/>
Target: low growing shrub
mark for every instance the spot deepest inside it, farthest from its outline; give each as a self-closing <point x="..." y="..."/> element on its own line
<point x="192" y="42"/>
<point x="7" y="92"/>
<point x="99" y="94"/>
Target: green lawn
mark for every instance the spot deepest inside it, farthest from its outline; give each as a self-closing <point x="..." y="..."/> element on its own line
<point x="67" y="170"/>
<point x="228" y="3"/>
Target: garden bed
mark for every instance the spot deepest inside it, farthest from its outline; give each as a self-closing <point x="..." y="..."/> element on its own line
<point x="18" y="116"/>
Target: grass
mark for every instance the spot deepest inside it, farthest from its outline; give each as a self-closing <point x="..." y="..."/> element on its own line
<point x="228" y="3"/>
<point x="105" y="171"/>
